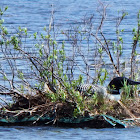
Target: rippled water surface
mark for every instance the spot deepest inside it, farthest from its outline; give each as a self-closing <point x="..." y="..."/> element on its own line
<point x="51" y="133"/>
<point x="35" y="14"/>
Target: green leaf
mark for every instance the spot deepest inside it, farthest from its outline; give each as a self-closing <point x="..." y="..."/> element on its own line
<point x="54" y="42"/>
<point x="4" y="77"/>
<point x="25" y="30"/>
<point x="45" y="28"/>
<point x="22" y="87"/>
<point x="40" y="52"/>
<point x="15" y="42"/>
<point x="100" y="50"/>
<point x="35" y="34"/>
<point x="6" y="8"/>
<point x="1" y="21"/>
<point x="20" y="75"/>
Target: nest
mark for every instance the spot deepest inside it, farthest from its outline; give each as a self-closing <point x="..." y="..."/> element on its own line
<point x="37" y="105"/>
<point x="40" y="105"/>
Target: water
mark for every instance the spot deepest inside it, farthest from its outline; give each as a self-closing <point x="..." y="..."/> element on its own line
<point x="51" y="133"/>
<point x="35" y="14"/>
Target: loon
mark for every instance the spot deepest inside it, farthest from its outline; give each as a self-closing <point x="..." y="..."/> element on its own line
<point x="113" y="87"/>
<point x="118" y="82"/>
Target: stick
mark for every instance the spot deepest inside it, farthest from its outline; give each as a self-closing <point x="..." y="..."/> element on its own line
<point x="127" y="110"/>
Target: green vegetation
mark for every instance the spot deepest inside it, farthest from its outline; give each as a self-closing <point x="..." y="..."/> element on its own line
<point x="56" y="68"/>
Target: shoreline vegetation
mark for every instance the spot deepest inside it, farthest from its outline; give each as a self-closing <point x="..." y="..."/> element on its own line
<point x="45" y="84"/>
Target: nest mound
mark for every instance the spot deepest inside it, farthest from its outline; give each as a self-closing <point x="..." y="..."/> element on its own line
<point x="40" y="106"/>
<point x="37" y="105"/>
<point x="122" y="111"/>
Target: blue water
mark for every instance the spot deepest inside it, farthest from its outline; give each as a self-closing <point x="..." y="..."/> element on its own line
<point x="51" y="133"/>
<point x="35" y="14"/>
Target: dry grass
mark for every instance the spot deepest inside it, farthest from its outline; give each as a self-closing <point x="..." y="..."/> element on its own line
<point x="113" y="108"/>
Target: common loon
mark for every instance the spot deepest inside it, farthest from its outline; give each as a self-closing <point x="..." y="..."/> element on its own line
<point x="113" y="87"/>
<point x="118" y="82"/>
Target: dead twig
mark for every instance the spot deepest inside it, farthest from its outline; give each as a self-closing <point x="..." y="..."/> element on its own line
<point x="4" y="101"/>
<point x="127" y="110"/>
<point x="135" y="42"/>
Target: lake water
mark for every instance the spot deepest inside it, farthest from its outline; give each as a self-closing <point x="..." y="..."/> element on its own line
<point x="51" y="133"/>
<point x="35" y="14"/>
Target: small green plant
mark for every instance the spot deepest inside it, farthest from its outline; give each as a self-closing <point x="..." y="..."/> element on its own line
<point x="127" y="92"/>
<point x="102" y="76"/>
<point x="98" y="99"/>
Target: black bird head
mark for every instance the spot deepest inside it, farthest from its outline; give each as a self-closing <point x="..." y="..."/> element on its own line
<point x="118" y="82"/>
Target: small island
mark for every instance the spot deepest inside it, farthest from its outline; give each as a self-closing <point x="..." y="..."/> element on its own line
<point x="64" y="82"/>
